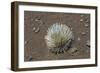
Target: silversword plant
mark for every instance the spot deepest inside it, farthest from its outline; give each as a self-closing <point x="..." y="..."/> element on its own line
<point x="59" y="38"/>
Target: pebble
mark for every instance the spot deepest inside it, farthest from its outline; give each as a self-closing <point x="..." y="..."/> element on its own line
<point x="78" y="39"/>
<point x="30" y="58"/>
<point x="83" y="33"/>
<point x="25" y="42"/>
<point x="88" y="43"/>
<point x="82" y="15"/>
<point x="33" y="28"/>
<point x="37" y="19"/>
<point x="86" y="25"/>
<point x="73" y="50"/>
<point x="81" y="20"/>
<point x="32" y="19"/>
<point x="37" y="30"/>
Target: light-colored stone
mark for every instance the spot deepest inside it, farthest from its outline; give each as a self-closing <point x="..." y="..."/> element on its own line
<point x="86" y="25"/>
<point x="83" y="33"/>
<point x="78" y="38"/>
<point x="73" y="50"/>
<point x="37" y="30"/>
<point x="81" y="20"/>
<point x="82" y="15"/>
<point x="25" y="42"/>
<point x="33" y="28"/>
<point x="88" y="43"/>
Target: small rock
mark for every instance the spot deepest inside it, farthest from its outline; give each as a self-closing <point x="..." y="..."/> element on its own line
<point x="78" y="39"/>
<point x="30" y="58"/>
<point x="81" y="20"/>
<point x="25" y="42"/>
<point x="37" y="19"/>
<point x="88" y="43"/>
<point x="37" y="30"/>
<point x="73" y="50"/>
<point x="33" y="28"/>
<point x="86" y="25"/>
<point x="82" y="15"/>
<point x="83" y="33"/>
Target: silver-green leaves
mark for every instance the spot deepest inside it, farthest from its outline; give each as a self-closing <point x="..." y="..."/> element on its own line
<point x="58" y="38"/>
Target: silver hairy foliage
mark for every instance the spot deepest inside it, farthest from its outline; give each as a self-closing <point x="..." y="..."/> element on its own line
<point x="59" y="38"/>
